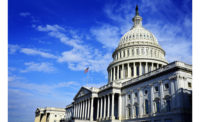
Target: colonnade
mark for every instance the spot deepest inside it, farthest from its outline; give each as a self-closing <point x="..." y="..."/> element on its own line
<point x="106" y="108"/>
<point x="131" y="69"/>
<point x="84" y="109"/>
<point x="138" y="101"/>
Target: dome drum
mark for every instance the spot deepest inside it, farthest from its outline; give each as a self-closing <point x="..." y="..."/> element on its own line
<point x="126" y="70"/>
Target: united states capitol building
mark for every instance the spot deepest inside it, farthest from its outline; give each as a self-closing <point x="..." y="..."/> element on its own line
<point x="142" y="86"/>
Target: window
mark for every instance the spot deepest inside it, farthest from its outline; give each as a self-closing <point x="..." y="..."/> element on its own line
<point x="157" y="106"/>
<point x="55" y="115"/>
<point x="168" y="105"/>
<point x="146" y="107"/>
<point x="136" y="111"/>
<point x="128" y="52"/>
<point x="124" y="53"/>
<point x="156" y="88"/>
<point x="129" y="112"/>
<point x="129" y="97"/>
<point x="137" y="50"/>
<point x="189" y="85"/>
<point x="146" y="92"/>
<point x="135" y="94"/>
<point x="133" y="52"/>
<point x="166" y="86"/>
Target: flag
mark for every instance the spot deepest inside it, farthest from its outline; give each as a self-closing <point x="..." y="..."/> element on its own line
<point x="86" y="70"/>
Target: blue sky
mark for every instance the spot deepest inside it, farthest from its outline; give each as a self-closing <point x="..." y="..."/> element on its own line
<point x="51" y="42"/>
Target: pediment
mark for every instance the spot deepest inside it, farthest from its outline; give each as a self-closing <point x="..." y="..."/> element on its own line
<point x="82" y="92"/>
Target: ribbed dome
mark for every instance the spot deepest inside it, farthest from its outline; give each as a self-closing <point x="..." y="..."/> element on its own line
<point x="138" y="33"/>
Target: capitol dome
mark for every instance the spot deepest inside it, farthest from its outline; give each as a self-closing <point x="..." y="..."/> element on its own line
<point x="138" y="53"/>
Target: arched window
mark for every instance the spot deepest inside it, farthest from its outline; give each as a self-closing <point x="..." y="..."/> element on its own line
<point x="146" y="107"/>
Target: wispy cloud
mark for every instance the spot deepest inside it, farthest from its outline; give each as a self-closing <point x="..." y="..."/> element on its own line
<point x="13" y="48"/>
<point x="29" y="51"/>
<point x="24" y="14"/>
<point x="40" y="67"/>
<point x="81" y="55"/>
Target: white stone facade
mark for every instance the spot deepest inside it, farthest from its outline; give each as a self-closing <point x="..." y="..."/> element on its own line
<point x="50" y="114"/>
<point x="142" y="86"/>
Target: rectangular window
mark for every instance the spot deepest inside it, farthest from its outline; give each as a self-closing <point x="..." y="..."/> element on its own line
<point x="156" y="88"/>
<point x="146" y="107"/>
<point x="189" y="85"/>
<point x="166" y="86"/>
<point x="135" y="94"/>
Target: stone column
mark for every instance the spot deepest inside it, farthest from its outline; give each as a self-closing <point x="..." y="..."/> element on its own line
<point x="152" y="99"/>
<point x="108" y="114"/>
<point x="140" y="101"/>
<point x="123" y="71"/>
<point x="83" y="115"/>
<point x="104" y="113"/>
<point x="119" y="107"/>
<point x="118" y="72"/>
<point x="79" y="110"/>
<point x="88" y="116"/>
<point x="91" y="113"/>
<point x="113" y="101"/>
<point x="85" y="110"/>
<point x="152" y="67"/>
<point x="134" y="69"/>
<point x="140" y="68"/>
<point x="161" y="96"/>
<point x="172" y="92"/>
<point x="129" y="70"/>
<point x="132" y="104"/>
<point x="111" y="74"/>
<point x="146" y="67"/>
<point x="101" y="110"/>
<point x="114" y="74"/>
<point x="75" y="106"/>
<point x="157" y="65"/>
<point x="97" y="108"/>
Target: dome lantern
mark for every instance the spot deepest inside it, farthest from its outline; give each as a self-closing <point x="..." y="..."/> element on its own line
<point x="137" y="19"/>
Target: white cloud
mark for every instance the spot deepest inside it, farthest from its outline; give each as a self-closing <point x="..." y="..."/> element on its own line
<point x="107" y="35"/>
<point x="29" y="51"/>
<point x="42" y="88"/>
<point x="24" y="14"/>
<point x="13" y="48"/>
<point x="81" y="55"/>
<point x="40" y="67"/>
